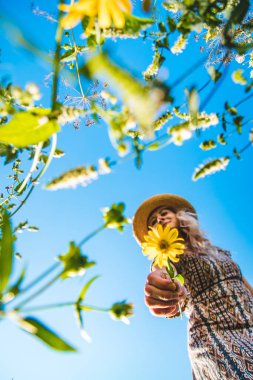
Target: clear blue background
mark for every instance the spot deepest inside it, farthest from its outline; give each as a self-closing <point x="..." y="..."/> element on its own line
<point x="150" y="347"/>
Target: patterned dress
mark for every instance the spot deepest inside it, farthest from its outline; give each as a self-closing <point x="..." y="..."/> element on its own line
<point x="220" y="311"/>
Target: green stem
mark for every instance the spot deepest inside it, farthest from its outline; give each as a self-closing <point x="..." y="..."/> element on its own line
<point x="88" y="237"/>
<point x="98" y="36"/>
<point x="93" y="308"/>
<point x="33" y="167"/>
<point x="244" y="100"/>
<point x="35" y="281"/>
<point x="77" y="65"/>
<point x="214" y="90"/>
<point x="36" y="294"/>
<point x="56" y="62"/>
<point x="40" y="278"/>
<point x="245" y="147"/>
<point x="241" y="150"/>
<point x="188" y="72"/>
<point x="23" y="201"/>
<point x="50" y="157"/>
<point x="46" y="307"/>
<point x="63" y="304"/>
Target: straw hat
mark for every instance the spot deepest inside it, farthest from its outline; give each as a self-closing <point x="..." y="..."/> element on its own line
<point x="140" y="227"/>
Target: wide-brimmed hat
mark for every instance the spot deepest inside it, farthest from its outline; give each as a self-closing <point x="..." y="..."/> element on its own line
<point x="140" y="227"/>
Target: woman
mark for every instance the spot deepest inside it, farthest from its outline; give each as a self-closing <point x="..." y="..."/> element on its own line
<point x="216" y="297"/>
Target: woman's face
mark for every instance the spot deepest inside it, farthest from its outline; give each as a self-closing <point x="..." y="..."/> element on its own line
<point x="163" y="216"/>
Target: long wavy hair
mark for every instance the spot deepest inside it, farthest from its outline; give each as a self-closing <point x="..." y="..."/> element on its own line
<point x="189" y="229"/>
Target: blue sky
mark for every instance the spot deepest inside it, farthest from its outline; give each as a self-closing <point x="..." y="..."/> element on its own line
<point x="150" y="347"/>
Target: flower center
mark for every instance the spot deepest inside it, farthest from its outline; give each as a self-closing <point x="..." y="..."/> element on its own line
<point x="163" y="245"/>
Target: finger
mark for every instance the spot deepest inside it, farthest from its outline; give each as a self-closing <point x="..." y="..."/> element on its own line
<point x="164" y="295"/>
<point x="156" y="303"/>
<point x="157" y="279"/>
<point x="181" y="290"/>
<point x="168" y="312"/>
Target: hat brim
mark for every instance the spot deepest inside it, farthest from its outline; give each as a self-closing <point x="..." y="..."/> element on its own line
<point x="140" y="227"/>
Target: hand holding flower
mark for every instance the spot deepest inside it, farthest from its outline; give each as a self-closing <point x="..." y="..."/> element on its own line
<point x="164" y="291"/>
<point x="162" y="294"/>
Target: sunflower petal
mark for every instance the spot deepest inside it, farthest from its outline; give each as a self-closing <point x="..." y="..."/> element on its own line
<point x="70" y="21"/>
<point x="167" y="229"/>
<point x="64" y="7"/>
<point x="174" y="259"/>
<point x="117" y="15"/>
<point x="87" y="7"/>
<point x="154" y="234"/>
<point x="173" y="234"/>
<point x="159" y="229"/>
<point x="125" y="5"/>
<point x="177" y="245"/>
<point x="104" y="17"/>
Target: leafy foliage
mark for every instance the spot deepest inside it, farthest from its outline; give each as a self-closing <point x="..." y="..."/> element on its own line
<point x="74" y="263"/>
<point x="114" y="217"/>
<point x="141" y="110"/>
<point x="28" y="128"/>
<point x="37" y="328"/>
<point x="6" y="252"/>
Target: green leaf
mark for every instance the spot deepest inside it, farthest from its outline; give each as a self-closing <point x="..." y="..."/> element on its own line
<point x="238" y="77"/>
<point x="85" y="289"/>
<point x="92" y="41"/>
<point x="237" y="154"/>
<point x="214" y="74"/>
<point x="221" y="139"/>
<point x="171" y="23"/>
<point x="193" y="104"/>
<point x="135" y="24"/>
<point x="85" y="22"/>
<point x="114" y="217"/>
<point x="224" y="123"/>
<point x="9" y="152"/>
<point x="141" y="102"/>
<point x="207" y="145"/>
<point x="69" y="55"/>
<point x="80" y="323"/>
<point x="6" y="252"/>
<point x="58" y="153"/>
<point x="180" y="278"/>
<point x="28" y="128"/>
<point x="74" y="263"/>
<point x="15" y="288"/>
<point x="238" y="123"/>
<point x="35" y="327"/>
<point x="154" y="146"/>
<point x="232" y="110"/>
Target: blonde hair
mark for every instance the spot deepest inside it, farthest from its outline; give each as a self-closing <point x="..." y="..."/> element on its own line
<point x="195" y="239"/>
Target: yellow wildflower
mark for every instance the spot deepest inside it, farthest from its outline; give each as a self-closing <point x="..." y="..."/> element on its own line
<point x="107" y="12"/>
<point x="162" y="244"/>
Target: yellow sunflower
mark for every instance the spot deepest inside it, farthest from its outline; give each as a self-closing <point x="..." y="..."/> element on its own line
<point x="162" y="244"/>
<point x="107" y="12"/>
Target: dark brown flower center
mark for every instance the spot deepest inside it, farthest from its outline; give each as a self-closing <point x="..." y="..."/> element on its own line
<point x="163" y="245"/>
